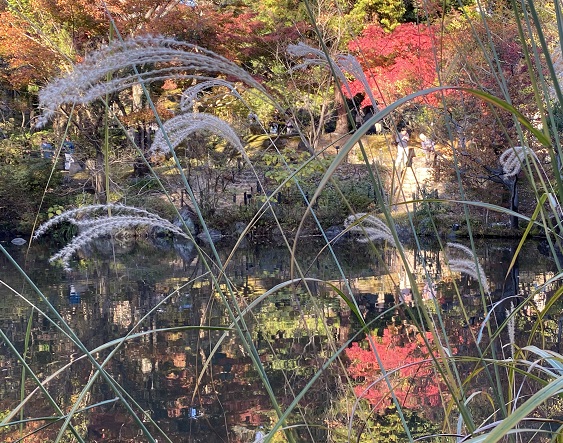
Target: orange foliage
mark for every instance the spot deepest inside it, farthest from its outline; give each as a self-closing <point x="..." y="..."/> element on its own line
<point x="146" y="115"/>
<point x="29" y="42"/>
<point x="28" y="59"/>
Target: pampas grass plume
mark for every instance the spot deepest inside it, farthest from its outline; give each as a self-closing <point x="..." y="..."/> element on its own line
<point x="94" y="223"/>
<point x="467" y="264"/>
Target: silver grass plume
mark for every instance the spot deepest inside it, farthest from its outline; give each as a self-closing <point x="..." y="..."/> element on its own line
<point x="512" y="159"/>
<point x="467" y="265"/>
<point x="511" y="328"/>
<point x="554" y="203"/>
<point x="312" y="56"/>
<point x="189" y="96"/>
<point x="342" y="63"/>
<point x="94" y="222"/>
<point x="371" y="226"/>
<point x="171" y="59"/>
<point x="178" y="128"/>
<point x="350" y="64"/>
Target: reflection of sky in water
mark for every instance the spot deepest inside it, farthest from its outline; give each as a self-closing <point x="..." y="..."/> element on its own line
<point x="294" y="329"/>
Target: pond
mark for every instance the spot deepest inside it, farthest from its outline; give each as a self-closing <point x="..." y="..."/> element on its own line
<point x="201" y="384"/>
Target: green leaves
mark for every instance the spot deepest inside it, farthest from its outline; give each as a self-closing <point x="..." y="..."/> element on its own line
<point x="55" y="210"/>
<point x="281" y="166"/>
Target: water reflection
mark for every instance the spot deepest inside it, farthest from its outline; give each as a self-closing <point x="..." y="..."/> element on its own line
<point x="117" y="286"/>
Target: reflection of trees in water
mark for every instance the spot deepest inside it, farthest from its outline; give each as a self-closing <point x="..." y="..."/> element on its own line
<point x="294" y="332"/>
<point x="463" y="311"/>
<point x="404" y="355"/>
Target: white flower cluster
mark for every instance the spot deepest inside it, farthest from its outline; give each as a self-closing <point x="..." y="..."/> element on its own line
<point x="467" y="265"/>
<point x="94" y="223"/>
<point x="512" y="159"/>
<point x="170" y="58"/>
<point x="371" y="226"/>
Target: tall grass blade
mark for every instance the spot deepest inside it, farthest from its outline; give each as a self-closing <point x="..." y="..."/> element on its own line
<point x="28" y="370"/>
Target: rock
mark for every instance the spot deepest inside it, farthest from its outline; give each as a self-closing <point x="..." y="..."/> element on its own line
<point x="188" y="217"/>
<point x="213" y="233"/>
<point x="239" y="227"/>
<point x="109" y="246"/>
<point x="333" y="232"/>
<point x="74" y="168"/>
<point x="18" y="241"/>
<point x="185" y="248"/>
<point x="159" y="240"/>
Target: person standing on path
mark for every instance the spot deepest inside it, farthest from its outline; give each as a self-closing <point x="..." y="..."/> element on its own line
<point x="429" y="148"/>
<point x="47" y="149"/>
<point x="402" y="150"/>
<point x="68" y="147"/>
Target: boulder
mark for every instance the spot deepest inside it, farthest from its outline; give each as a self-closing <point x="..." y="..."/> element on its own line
<point x="213" y="233"/>
<point x="185" y="248"/>
<point x="333" y="232"/>
<point x="188" y="217"/>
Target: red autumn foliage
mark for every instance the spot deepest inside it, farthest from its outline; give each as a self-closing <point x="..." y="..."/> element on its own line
<point x="396" y="63"/>
<point x="32" y="57"/>
<point x="414" y="381"/>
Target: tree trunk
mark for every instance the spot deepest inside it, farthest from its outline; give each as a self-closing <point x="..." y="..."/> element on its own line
<point x="341" y="114"/>
<point x="513" y="187"/>
<point x="99" y="178"/>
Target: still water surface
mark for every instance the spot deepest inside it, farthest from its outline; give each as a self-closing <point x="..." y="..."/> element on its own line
<point x="115" y="287"/>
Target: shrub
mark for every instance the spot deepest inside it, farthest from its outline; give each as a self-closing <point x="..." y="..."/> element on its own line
<point x="27" y="190"/>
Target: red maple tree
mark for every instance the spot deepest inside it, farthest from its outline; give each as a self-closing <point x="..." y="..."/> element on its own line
<point x="396" y="63"/>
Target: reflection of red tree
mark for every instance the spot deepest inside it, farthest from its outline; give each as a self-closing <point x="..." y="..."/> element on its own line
<point x="412" y="376"/>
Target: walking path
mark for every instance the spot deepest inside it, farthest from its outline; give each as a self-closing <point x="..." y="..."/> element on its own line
<point x="413" y="183"/>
